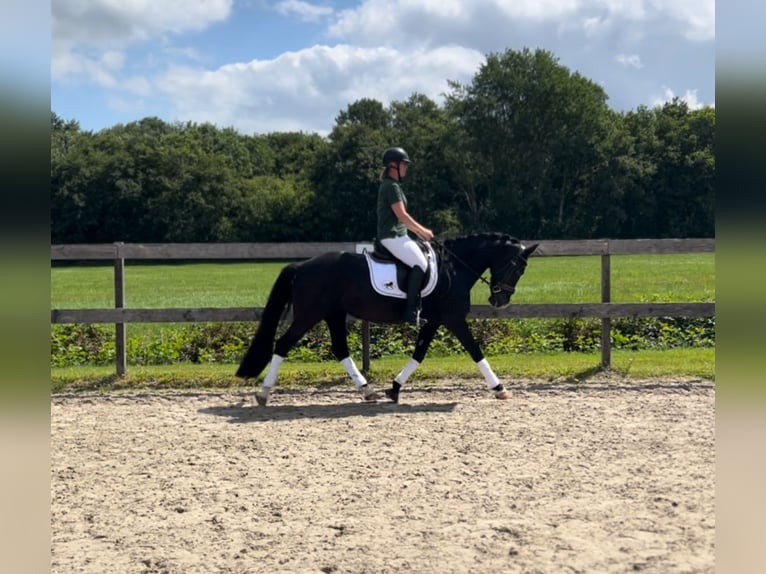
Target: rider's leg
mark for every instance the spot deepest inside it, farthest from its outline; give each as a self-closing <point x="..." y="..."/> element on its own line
<point x="414" y="285"/>
<point x="408" y="251"/>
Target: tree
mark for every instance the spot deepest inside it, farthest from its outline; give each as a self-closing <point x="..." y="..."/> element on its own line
<point x="421" y="127"/>
<point x="274" y="209"/>
<point x="365" y="112"/>
<point x="685" y="171"/>
<point x="295" y="153"/>
<point x="538" y="128"/>
<point x="63" y="133"/>
<point x="526" y="147"/>
<point x="346" y="175"/>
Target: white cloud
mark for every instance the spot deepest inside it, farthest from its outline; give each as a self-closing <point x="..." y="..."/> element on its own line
<point x="86" y="33"/>
<point x="100" y="69"/>
<point x="536" y="10"/>
<point x="437" y="21"/>
<point x="386" y="50"/>
<point x="697" y="18"/>
<point x="305" y="11"/>
<point x="106" y="22"/>
<point x="592" y="26"/>
<point x="186" y="53"/>
<point x="629" y="60"/>
<point x="305" y="90"/>
<point x="690" y="97"/>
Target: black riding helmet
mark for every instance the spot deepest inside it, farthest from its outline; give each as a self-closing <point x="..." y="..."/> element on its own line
<point x="395" y="154"/>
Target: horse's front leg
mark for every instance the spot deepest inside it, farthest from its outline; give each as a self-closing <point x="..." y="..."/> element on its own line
<point x="336" y="322"/>
<point x="464" y="335"/>
<point x="425" y="336"/>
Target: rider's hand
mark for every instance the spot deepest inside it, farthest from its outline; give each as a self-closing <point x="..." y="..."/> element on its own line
<point x="427" y="234"/>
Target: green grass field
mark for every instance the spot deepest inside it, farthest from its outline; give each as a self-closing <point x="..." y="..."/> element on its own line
<point x="635" y="278"/>
<point x="675" y="363"/>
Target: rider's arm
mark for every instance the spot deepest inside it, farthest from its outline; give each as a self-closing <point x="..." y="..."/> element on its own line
<point x="401" y="213"/>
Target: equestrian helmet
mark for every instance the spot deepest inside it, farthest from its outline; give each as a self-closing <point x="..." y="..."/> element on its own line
<point x="395" y="155"/>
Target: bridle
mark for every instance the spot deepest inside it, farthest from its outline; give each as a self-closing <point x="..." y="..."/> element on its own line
<point x="495" y="288"/>
<point x="502" y="286"/>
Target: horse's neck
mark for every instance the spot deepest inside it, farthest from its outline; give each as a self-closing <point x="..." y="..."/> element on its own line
<point x="473" y="259"/>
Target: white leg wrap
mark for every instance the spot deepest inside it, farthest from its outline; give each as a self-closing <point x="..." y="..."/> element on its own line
<point x="271" y="376"/>
<point x="405" y="373"/>
<point x="489" y="375"/>
<point x="353" y="372"/>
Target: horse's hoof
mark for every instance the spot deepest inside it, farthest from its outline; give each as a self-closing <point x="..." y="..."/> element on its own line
<point x="369" y="394"/>
<point x="262" y="397"/>
<point x="392" y="395"/>
<point x="503" y="395"/>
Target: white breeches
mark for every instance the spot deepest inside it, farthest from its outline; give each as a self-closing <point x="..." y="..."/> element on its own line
<point x="406" y="250"/>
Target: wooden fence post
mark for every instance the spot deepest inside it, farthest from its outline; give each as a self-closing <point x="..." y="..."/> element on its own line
<point x="365" y="347"/>
<point x="606" y="322"/>
<point x="120" y="343"/>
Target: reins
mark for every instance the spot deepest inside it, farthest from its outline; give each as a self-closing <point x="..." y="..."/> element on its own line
<point x="444" y="248"/>
<point x="493" y="288"/>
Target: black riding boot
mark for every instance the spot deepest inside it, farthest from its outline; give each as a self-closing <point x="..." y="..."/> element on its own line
<point x="414" y="285"/>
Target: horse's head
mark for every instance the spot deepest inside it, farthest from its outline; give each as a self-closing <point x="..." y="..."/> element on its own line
<point x="506" y="270"/>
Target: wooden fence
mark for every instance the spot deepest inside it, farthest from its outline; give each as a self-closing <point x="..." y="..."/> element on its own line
<point x="605" y="310"/>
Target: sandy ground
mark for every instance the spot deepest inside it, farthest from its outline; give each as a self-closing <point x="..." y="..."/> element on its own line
<point x="604" y="476"/>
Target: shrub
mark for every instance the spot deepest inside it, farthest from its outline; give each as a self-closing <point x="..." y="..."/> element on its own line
<point x="75" y="345"/>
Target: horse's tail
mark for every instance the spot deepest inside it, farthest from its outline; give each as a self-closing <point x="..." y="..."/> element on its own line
<point x="262" y="347"/>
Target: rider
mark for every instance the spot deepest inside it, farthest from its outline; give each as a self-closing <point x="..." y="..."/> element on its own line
<point x="393" y="223"/>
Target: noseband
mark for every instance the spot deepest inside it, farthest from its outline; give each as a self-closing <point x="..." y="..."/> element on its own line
<point x="503" y="286"/>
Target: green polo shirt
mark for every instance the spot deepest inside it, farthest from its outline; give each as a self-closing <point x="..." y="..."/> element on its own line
<point x="389" y="225"/>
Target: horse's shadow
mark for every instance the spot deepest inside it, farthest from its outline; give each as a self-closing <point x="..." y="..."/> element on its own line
<point x="242" y="413"/>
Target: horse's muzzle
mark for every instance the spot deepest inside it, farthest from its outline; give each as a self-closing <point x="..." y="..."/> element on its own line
<point x="500" y="300"/>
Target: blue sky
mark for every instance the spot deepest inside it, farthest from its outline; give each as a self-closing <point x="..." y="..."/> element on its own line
<point x="292" y="65"/>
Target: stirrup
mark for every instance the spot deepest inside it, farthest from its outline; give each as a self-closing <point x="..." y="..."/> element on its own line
<point x="413" y="317"/>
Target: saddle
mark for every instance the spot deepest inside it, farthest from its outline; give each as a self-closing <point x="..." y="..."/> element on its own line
<point x="388" y="275"/>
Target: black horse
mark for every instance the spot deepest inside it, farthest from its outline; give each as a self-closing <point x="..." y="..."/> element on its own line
<point x="333" y="285"/>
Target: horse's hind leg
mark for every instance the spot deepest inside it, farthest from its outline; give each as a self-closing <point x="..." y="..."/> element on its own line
<point x="336" y="323"/>
<point x="283" y="345"/>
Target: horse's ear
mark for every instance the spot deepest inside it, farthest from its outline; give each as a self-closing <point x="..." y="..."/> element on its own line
<point x="529" y="250"/>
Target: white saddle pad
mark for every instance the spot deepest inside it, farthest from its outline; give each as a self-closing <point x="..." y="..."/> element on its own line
<point x="383" y="276"/>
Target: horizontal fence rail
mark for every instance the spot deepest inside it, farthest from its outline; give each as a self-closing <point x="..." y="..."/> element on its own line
<point x="121" y="316"/>
<point x="81" y="252"/>
<point x="515" y="311"/>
